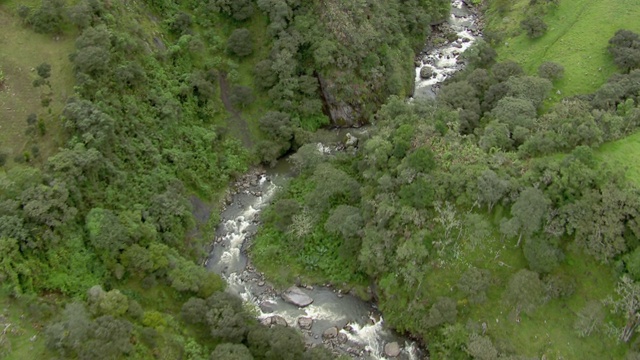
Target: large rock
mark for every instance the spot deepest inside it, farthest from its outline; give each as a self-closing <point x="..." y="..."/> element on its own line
<point x="426" y="72"/>
<point x="392" y="349"/>
<point x="296" y="296"/>
<point x="342" y="112"/>
<point x="305" y="323"/>
<point x="330" y="333"/>
<point x="350" y="140"/>
<point x="274" y="320"/>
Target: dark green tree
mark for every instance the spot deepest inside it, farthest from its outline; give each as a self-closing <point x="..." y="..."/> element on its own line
<point x="625" y="48"/>
<point x="503" y="70"/>
<point x="525" y="291"/>
<point x="550" y="70"/>
<point x="240" y="43"/>
<point x="231" y="352"/>
<point x="534" y="26"/>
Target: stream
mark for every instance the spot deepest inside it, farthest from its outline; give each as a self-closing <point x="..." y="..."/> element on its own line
<point x="342" y="322"/>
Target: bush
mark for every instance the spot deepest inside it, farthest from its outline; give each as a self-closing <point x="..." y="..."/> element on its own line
<point x="241" y="96"/>
<point x="240" y="43"/>
<point x="534" y="26"/>
<point x="551" y="71"/>
<point x="625" y="48"/>
<point x="49" y="18"/>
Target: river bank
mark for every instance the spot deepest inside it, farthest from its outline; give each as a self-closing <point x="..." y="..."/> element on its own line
<point x="336" y="316"/>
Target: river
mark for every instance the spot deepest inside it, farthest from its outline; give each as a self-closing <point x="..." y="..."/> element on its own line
<point x="342" y="322"/>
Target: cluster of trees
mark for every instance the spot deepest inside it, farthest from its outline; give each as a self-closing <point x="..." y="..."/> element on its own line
<point x="143" y="134"/>
<point x="438" y="179"/>
<point x="106" y="324"/>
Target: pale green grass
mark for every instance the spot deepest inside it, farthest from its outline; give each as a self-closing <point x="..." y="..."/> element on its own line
<point x="624" y="153"/>
<point x="577" y="37"/>
<point x="549" y="331"/>
<point x="21" y="50"/>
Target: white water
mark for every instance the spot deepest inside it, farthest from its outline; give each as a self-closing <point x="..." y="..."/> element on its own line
<point x="445" y="60"/>
<point x="366" y="336"/>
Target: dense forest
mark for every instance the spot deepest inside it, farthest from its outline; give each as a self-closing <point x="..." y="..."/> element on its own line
<point x="165" y="103"/>
<point x="472" y="219"/>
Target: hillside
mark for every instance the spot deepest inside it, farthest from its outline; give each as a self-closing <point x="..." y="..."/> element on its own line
<point x="145" y="110"/>
<point x="577" y="36"/>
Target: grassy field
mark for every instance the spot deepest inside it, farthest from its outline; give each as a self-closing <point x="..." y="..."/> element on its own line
<point x="549" y="332"/>
<point x="21" y="51"/>
<point x="624" y="153"/>
<point x="577" y="37"/>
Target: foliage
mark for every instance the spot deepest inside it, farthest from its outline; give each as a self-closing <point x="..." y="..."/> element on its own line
<point x="625" y="48"/>
<point x="534" y="26"/>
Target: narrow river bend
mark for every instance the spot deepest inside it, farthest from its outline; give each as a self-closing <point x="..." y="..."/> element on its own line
<point x="342" y="322"/>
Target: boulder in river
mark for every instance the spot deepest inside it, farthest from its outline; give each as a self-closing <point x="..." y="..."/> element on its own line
<point x="305" y="323"/>
<point x="294" y="295"/>
<point x="426" y="72"/>
<point x="392" y="349"/>
<point x="330" y="333"/>
<point x="274" y="320"/>
<point x="350" y="140"/>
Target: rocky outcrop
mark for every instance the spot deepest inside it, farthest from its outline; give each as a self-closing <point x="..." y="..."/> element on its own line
<point x="341" y="113"/>
<point x="294" y="295"/>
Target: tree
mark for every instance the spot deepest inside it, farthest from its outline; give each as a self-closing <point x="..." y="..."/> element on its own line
<point x="47" y="205"/>
<point x="109" y="338"/>
<point x="346" y="221"/>
<point x="481" y="348"/>
<point x="238" y="9"/>
<point x="534" y="26"/>
<point x="277" y="125"/>
<point x="527" y="213"/>
<point x="530" y="88"/>
<point x="491" y="188"/>
<point x="194" y="311"/>
<point x="625" y="48"/>
<point x="551" y="71"/>
<point x="627" y="304"/>
<point x="463" y="97"/>
<point x="49" y="17"/>
<point x="231" y="352"/>
<point x="503" y="70"/>
<point x="332" y="186"/>
<point x="525" y="291"/>
<point x="264" y="75"/>
<point x="279" y="343"/>
<point x="226" y="317"/>
<point x="74" y="330"/>
<point x="441" y="312"/>
<point x="240" y="43"/>
<point x="106" y="234"/>
<point x="241" y="96"/>
<point x="474" y="283"/>
<point x="541" y="255"/>
<point x="589" y="318"/>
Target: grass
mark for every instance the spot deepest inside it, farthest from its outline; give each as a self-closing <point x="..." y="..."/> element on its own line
<point x="549" y="331"/>
<point x="577" y="37"/>
<point x="22" y="51"/>
<point x="23" y="338"/>
<point x="623" y="153"/>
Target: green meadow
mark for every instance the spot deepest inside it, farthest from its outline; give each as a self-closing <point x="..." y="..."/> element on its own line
<point x="577" y="38"/>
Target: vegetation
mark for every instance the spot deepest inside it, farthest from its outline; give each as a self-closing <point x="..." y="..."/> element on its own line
<point x="462" y="211"/>
<point x="491" y="203"/>
<point x="577" y="37"/>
